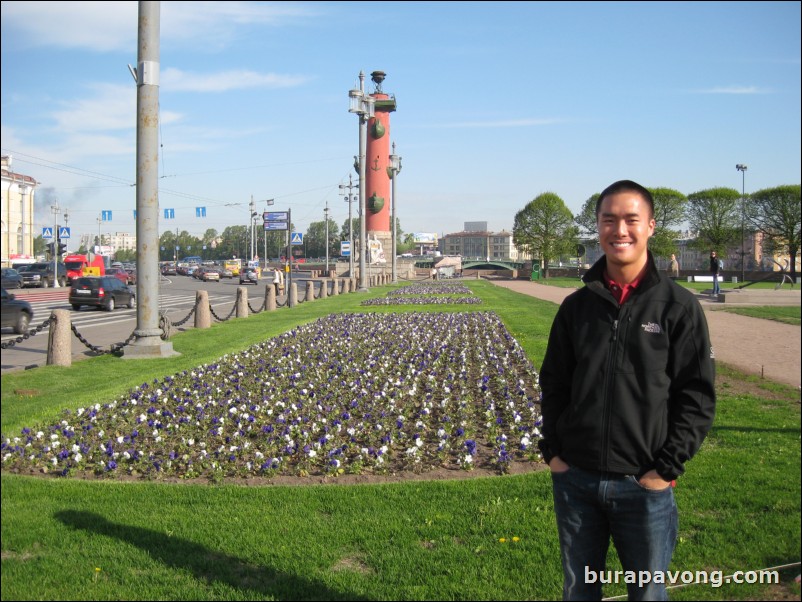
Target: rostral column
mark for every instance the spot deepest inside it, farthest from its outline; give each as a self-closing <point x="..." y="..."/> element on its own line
<point x="377" y="176"/>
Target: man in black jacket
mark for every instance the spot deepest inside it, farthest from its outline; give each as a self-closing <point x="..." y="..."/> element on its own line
<point x="628" y="398"/>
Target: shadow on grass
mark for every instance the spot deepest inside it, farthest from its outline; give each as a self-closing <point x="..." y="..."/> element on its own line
<point x="206" y="564"/>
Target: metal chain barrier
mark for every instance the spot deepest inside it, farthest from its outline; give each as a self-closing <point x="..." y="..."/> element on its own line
<point x="167" y="327"/>
<point x="218" y="318"/>
<point x="260" y="310"/>
<point x="184" y="321"/>
<point x="113" y="348"/>
<point x="27" y="335"/>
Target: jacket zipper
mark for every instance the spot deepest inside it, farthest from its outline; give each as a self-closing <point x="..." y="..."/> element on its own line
<point x="608" y="394"/>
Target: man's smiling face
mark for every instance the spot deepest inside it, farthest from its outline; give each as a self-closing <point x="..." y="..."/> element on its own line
<point x="625" y="224"/>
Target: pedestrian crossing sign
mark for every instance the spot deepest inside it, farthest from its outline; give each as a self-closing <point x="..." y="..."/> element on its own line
<point x="297" y="238"/>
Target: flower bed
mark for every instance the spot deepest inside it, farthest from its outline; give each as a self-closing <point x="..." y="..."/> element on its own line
<point x="349" y="393"/>
<point x="427" y="293"/>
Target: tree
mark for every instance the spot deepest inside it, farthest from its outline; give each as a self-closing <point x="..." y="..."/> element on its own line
<point x="715" y="216"/>
<point x="315" y="238"/>
<point x="669" y="213"/>
<point x="775" y="213"/>
<point x="545" y="229"/>
<point x="586" y="220"/>
<point x="209" y="240"/>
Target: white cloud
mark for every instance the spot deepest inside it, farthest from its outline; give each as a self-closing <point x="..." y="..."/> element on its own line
<point x="733" y="90"/>
<point x="504" y="123"/>
<point x="113" y="26"/>
<point x="98" y="26"/>
<point x="112" y="108"/>
<point x="182" y="81"/>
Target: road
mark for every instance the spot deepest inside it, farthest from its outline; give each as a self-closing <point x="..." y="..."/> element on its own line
<point x="103" y="329"/>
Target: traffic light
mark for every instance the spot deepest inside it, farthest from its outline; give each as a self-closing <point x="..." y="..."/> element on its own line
<point x="62" y="248"/>
<point x="51" y="248"/>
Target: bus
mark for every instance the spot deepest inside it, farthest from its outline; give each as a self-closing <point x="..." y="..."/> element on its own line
<point x="233" y="265"/>
<point x="192" y="259"/>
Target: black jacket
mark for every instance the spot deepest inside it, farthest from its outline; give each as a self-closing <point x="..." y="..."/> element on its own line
<point x="715" y="265"/>
<point x="631" y="388"/>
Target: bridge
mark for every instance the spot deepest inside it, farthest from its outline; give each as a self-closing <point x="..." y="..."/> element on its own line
<point x="475" y="264"/>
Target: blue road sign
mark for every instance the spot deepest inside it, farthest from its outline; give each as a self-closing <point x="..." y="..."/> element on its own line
<point x="47" y="232"/>
<point x="297" y="238"/>
<point x="345" y="248"/>
<point x="64" y="232"/>
<point x="106" y="216"/>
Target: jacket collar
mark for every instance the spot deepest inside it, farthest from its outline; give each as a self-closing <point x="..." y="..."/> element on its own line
<point x="595" y="275"/>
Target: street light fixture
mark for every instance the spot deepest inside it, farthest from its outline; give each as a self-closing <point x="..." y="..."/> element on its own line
<point x="363" y="105"/>
<point x="392" y="170"/>
<point x="56" y="210"/>
<point x="349" y="198"/>
<point x="742" y="168"/>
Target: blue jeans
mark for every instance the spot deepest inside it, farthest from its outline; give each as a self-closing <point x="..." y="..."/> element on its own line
<point x="591" y="507"/>
<point x="716" y="287"/>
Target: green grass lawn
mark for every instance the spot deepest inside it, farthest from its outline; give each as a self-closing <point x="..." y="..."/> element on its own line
<point x="475" y="539"/>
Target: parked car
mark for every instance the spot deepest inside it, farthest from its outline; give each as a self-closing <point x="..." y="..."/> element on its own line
<point x="11" y="278"/>
<point x="118" y="273"/>
<point x="42" y="275"/>
<point x="248" y="275"/>
<point x="101" y="291"/>
<point x="17" y="313"/>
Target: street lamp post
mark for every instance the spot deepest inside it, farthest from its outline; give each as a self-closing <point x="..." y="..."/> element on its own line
<point x="350" y="197"/>
<point x="742" y="168"/>
<point x="326" y="217"/>
<point x="268" y="202"/>
<point x="393" y="170"/>
<point x="363" y="105"/>
<point x="56" y="210"/>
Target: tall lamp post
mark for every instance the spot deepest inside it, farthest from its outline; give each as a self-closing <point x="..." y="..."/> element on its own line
<point x="742" y="168"/>
<point x="392" y="170"/>
<point x="326" y="217"/>
<point x="363" y="105"/>
<point x="56" y="210"/>
<point x="349" y="198"/>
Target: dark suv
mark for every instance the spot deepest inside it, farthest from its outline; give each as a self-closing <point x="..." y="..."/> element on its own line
<point x="104" y="291"/>
<point x="41" y="275"/>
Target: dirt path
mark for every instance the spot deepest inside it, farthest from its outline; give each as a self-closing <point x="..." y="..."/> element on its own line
<point x="752" y="345"/>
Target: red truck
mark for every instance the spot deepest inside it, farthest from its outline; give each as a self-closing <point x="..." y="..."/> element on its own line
<point x="84" y="265"/>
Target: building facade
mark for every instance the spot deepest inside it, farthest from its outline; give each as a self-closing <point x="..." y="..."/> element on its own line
<point x="18" y="194"/>
<point x="471" y="244"/>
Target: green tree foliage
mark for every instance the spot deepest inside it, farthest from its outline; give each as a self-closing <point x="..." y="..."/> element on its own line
<point x="315" y="239"/>
<point x="545" y="229"/>
<point x="669" y="213"/>
<point x="775" y="212"/>
<point x="586" y="220"/>
<point x="715" y="216"/>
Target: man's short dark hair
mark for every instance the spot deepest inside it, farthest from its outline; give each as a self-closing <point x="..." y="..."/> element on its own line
<point x="626" y="186"/>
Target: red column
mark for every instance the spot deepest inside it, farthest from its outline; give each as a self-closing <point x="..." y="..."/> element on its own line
<point x="377" y="180"/>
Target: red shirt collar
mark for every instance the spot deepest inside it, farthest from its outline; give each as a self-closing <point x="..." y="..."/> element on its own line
<point x="620" y="291"/>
